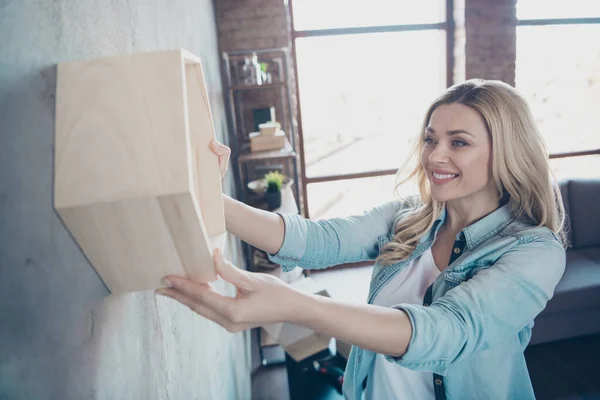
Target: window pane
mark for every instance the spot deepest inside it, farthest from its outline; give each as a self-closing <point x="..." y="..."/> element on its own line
<point x="352" y="196"/>
<point x="363" y="97"/>
<point x="587" y="167"/>
<point x="328" y="14"/>
<point x="558" y="71"/>
<point x="544" y="9"/>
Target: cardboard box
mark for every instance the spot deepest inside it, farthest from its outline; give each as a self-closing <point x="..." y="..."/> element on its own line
<point x="266" y="339"/>
<point x="269" y="128"/>
<point x="260" y="142"/>
<point x="135" y="181"/>
<point x="300" y="342"/>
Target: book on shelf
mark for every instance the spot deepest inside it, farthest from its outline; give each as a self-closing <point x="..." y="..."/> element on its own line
<point x="260" y="142"/>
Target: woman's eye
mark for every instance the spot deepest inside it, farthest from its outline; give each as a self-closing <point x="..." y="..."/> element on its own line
<point x="428" y="140"/>
<point x="459" y="143"/>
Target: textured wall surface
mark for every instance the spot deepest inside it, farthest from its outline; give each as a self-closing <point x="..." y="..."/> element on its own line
<point x="62" y="336"/>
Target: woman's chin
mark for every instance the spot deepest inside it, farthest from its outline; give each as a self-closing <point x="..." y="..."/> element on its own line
<point x="443" y="196"/>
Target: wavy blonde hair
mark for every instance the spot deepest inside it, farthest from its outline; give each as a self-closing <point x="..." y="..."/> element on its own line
<point x="520" y="167"/>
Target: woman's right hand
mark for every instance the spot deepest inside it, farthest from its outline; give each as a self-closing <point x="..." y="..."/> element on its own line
<point x="260" y="298"/>
<point x="223" y="152"/>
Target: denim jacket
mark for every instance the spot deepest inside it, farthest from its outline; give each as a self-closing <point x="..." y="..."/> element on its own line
<point x="484" y="303"/>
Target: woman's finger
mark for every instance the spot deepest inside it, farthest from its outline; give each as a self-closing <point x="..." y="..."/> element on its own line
<point x="223" y="153"/>
<point x="191" y="289"/>
<point x="180" y="297"/>
<point x="203" y="294"/>
<point x="198" y="308"/>
<point x="219" y="148"/>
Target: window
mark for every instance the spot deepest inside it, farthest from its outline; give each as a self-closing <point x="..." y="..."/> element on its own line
<point x="363" y="97"/>
<point x="528" y="10"/>
<point x="558" y="71"/>
<point x="366" y="73"/>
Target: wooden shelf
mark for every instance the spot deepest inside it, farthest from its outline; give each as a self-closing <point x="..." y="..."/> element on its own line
<point x="246" y="155"/>
<point x="138" y="214"/>
<point x="254" y="87"/>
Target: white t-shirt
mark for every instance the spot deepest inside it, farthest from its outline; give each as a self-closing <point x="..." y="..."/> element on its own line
<point x="389" y="380"/>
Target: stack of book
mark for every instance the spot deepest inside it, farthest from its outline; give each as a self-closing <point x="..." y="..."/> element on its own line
<point x="270" y="137"/>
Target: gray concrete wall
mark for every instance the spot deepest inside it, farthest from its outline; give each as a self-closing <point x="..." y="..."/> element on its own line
<point x="62" y="336"/>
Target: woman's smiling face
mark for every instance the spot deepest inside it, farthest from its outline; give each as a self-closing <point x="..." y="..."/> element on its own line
<point x="457" y="154"/>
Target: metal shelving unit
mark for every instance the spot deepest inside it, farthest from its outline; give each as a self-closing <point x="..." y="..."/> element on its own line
<point x="240" y="101"/>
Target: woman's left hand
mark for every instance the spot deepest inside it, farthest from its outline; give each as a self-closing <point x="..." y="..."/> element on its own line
<point x="260" y="298"/>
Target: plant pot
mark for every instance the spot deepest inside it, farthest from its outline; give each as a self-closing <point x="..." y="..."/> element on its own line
<point x="273" y="200"/>
<point x="259" y="186"/>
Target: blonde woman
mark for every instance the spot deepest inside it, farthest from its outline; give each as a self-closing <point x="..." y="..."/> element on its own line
<point x="460" y="272"/>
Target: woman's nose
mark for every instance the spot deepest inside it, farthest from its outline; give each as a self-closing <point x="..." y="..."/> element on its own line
<point x="439" y="154"/>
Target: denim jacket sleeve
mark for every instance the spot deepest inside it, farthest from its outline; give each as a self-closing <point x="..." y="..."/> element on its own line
<point x="492" y="307"/>
<point x="319" y="244"/>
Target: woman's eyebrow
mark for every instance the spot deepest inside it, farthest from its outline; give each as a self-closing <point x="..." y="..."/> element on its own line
<point x="457" y="131"/>
<point x="452" y="132"/>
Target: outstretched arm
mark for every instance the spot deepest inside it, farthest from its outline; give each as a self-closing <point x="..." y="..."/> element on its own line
<point x="260" y="228"/>
<point x="262" y="299"/>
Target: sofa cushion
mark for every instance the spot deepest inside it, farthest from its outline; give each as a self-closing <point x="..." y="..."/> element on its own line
<point x="564" y="193"/>
<point x="591" y="252"/>
<point x="579" y="286"/>
<point x="584" y="199"/>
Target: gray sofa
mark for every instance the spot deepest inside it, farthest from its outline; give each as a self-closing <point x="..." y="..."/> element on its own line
<point x="575" y="308"/>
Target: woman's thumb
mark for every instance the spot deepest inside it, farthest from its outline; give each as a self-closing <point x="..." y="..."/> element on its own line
<point x="229" y="272"/>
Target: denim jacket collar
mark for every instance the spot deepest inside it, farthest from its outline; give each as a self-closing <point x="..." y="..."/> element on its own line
<point x="479" y="231"/>
<point x="488" y="226"/>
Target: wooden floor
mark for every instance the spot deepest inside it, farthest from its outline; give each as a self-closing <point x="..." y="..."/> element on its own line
<point x="564" y="370"/>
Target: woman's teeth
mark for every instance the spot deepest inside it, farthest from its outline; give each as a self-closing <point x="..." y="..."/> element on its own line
<point x="444" y="176"/>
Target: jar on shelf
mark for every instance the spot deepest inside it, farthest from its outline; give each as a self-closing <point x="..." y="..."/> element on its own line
<point x="252" y="72"/>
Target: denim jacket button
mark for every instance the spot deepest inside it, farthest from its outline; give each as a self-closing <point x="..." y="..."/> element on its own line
<point x="456" y="250"/>
<point x="426" y="304"/>
<point x="438" y="382"/>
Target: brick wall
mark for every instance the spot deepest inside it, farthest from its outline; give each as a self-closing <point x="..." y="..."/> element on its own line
<point x="490" y="34"/>
<point x="252" y="24"/>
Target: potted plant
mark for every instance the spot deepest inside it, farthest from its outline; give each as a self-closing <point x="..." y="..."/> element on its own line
<point x="274" y="181"/>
